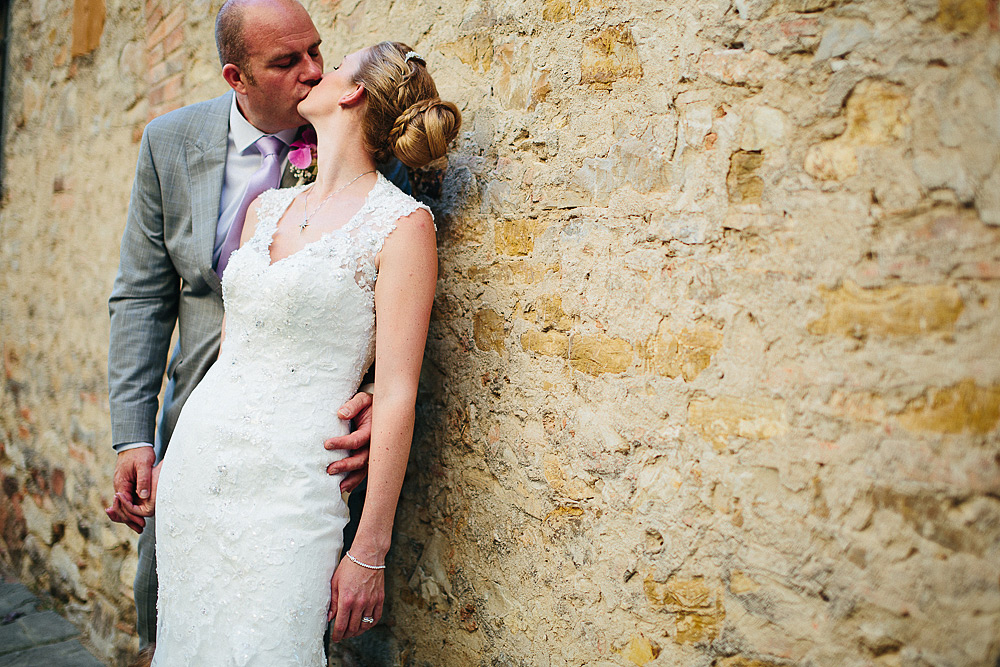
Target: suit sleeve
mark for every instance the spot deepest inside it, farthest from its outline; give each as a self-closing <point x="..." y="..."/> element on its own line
<point x="143" y="307"/>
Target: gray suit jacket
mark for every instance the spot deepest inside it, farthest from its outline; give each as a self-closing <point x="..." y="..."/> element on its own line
<point x="165" y="275"/>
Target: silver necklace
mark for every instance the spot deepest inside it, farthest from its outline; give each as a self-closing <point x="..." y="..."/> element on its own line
<point x="305" y="215"/>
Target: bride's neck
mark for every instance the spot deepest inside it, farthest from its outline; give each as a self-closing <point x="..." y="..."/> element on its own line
<point x="341" y="157"/>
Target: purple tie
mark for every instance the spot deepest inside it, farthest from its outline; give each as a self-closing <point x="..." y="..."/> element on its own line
<point x="265" y="178"/>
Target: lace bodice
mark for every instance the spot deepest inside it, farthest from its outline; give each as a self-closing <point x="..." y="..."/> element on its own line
<point x="305" y="312"/>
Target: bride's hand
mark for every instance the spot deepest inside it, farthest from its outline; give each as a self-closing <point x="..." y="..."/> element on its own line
<point x="356" y="596"/>
<point x="146" y="506"/>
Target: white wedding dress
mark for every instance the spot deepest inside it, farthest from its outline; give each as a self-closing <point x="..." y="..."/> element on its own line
<point x="249" y="526"/>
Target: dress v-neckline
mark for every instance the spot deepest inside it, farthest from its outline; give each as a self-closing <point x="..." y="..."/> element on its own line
<point x="347" y="226"/>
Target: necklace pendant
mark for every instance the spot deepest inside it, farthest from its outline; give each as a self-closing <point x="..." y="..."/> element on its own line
<point x="303" y="225"/>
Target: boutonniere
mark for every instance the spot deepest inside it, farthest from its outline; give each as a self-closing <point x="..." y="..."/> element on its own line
<point x="302" y="157"/>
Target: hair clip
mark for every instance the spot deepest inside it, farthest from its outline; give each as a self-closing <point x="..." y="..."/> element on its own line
<point x="413" y="55"/>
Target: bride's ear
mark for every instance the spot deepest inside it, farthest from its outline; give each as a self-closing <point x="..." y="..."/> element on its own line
<point x="353" y="97"/>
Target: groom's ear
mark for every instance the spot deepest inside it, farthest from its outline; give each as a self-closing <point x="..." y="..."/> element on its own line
<point x="353" y="97"/>
<point x="234" y="77"/>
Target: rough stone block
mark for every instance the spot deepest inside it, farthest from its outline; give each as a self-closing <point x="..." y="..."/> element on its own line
<point x="488" y="330"/>
<point x="740" y="661"/>
<point x="597" y="355"/>
<point x="736" y="67"/>
<point x="876" y="115"/>
<point x="610" y="55"/>
<point x="547" y="311"/>
<point x="684" y="353"/>
<point x="516" y="237"/>
<point x="842" y="37"/>
<point x="963" y="16"/>
<point x="755" y="9"/>
<point x="888" y="311"/>
<point x="677" y="594"/>
<point x="699" y="628"/>
<point x="641" y="650"/>
<point x="475" y="50"/>
<point x="745" y="186"/>
<point x="720" y="419"/>
<point x="767" y="130"/>
<point x="548" y="343"/>
<point x="88" y="25"/>
<point x="962" y="408"/>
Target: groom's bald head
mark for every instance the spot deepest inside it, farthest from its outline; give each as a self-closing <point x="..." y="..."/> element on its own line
<point x="230" y="37"/>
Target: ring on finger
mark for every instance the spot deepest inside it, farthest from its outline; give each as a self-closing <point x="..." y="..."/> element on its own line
<point x="367" y="619"/>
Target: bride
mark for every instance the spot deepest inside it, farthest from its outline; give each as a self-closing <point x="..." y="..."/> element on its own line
<point x="249" y="526"/>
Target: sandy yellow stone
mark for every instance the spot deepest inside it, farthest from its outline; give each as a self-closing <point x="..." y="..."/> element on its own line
<point x="513" y="272"/>
<point x="547" y="311"/>
<point x="475" y="50"/>
<point x="515" y="237"/>
<point x="641" y="651"/>
<point x="683" y="353"/>
<point x="876" y="115"/>
<point x="745" y="186"/>
<point x="888" y="311"/>
<point x="488" y="330"/>
<point x="961" y="408"/>
<point x="610" y="55"/>
<point x="740" y="661"/>
<point x="88" y="25"/>
<point x="963" y="16"/>
<point x="548" y="343"/>
<point x="740" y="583"/>
<point x="678" y="594"/>
<point x="727" y="416"/>
<point x="698" y="628"/>
<point x="600" y="354"/>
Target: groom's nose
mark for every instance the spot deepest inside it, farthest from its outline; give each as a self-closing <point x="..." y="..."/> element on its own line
<point x="312" y="70"/>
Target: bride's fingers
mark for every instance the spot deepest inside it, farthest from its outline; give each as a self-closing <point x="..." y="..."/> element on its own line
<point x="354" y="627"/>
<point x="340" y="621"/>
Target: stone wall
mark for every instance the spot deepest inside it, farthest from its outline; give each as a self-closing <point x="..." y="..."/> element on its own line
<point x="712" y="376"/>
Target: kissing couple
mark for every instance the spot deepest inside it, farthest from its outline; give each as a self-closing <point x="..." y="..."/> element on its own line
<point x="283" y="299"/>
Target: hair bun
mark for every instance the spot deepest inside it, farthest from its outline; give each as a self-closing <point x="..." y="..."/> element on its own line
<point x="421" y="133"/>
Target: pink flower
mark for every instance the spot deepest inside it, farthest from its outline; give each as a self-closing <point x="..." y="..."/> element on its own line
<point x="303" y="150"/>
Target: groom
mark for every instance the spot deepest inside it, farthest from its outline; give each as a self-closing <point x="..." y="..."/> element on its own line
<point x="198" y="169"/>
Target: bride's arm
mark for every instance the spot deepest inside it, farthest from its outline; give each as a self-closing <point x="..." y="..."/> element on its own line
<point x="404" y="295"/>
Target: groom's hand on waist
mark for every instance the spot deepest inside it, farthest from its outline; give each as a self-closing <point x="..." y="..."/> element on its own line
<point x="359" y="411"/>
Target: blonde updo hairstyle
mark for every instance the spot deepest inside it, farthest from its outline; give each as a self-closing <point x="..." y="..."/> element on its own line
<point x="405" y="117"/>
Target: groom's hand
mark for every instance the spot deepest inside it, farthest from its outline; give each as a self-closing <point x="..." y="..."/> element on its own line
<point x="133" y="477"/>
<point x="359" y="411"/>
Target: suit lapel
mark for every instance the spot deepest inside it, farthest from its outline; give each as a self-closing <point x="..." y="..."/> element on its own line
<point x="206" y="162"/>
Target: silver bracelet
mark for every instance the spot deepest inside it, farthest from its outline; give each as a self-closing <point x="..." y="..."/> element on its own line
<point x="366" y="565"/>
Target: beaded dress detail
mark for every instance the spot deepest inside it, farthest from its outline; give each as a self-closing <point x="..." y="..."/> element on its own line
<point x="249" y="526"/>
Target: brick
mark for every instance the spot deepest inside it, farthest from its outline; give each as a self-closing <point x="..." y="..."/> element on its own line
<point x="169" y="23"/>
<point x="174" y="40"/>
